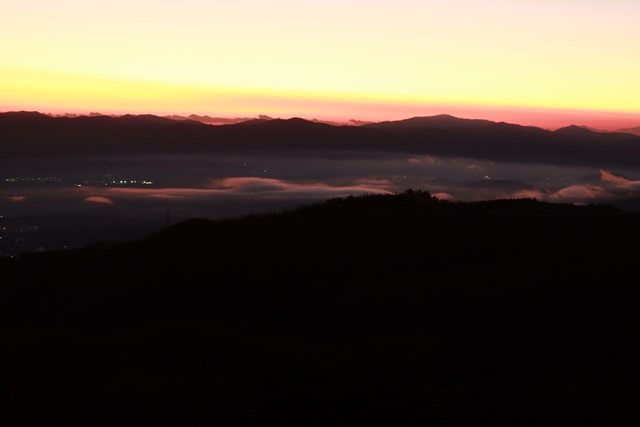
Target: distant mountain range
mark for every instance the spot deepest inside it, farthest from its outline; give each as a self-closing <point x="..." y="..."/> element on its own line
<point x="634" y="131"/>
<point x="29" y="134"/>
<point x="218" y="120"/>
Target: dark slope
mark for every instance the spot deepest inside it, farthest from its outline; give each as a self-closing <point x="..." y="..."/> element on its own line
<point x="585" y="134"/>
<point x="633" y="131"/>
<point x="385" y="310"/>
<point x="29" y="135"/>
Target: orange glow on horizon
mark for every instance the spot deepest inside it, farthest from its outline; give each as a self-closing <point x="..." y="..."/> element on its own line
<point x="60" y="94"/>
<point x="543" y="63"/>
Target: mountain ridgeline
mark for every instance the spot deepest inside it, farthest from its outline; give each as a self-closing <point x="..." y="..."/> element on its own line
<point x="387" y="310"/>
<point x="27" y="135"/>
<point x="634" y="131"/>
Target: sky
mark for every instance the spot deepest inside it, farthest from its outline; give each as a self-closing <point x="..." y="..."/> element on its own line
<point x="544" y="62"/>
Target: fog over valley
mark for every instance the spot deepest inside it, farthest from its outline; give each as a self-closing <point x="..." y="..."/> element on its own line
<point x="55" y="203"/>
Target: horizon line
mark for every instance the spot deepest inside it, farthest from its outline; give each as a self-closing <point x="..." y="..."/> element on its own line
<point x="218" y="119"/>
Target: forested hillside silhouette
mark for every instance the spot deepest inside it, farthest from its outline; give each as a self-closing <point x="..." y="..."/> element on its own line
<point x="379" y="310"/>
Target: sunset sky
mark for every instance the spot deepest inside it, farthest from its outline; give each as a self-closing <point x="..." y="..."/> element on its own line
<point x="543" y="62"/>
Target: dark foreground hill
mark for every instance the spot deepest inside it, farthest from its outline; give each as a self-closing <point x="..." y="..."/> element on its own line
<point x="383" y="310"/>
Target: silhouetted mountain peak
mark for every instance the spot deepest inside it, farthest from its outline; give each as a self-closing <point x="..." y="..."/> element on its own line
<point x="441" y="121"/>
<point x="24" y="115"/>
<point x="299" y="120"/>
<point x="294" y="123"/>
<point x="442" y="118"/>
<point x="632" y="131"/>
<point x="575" y="130"/>
<point x="148" y="118"/>
<point x="253" y="122"/>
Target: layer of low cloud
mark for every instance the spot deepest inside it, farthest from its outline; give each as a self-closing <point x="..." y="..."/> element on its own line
<point x="611" y="178"/>
<point x="609" y="189"/>
<point x="219" y="188"/>
<point x="605" y="188"/>
<point x="100" y="200"/>
<point x="579" y="193"/>
<point x="227" y="186"/>
<point x="16" y="199"/>
<point x="444" y="196"/>
<point x="255" y="187"/>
